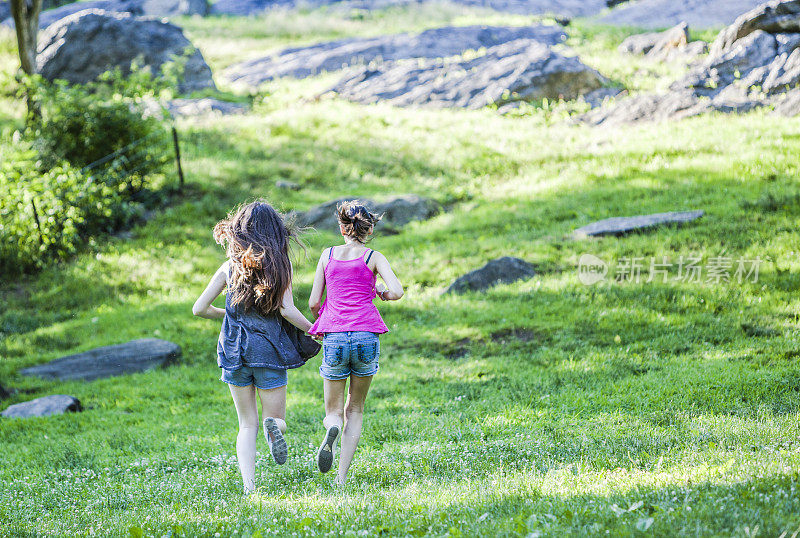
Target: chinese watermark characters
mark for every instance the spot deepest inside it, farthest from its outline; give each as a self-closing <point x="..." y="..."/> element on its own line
<point x="714" y="270"/>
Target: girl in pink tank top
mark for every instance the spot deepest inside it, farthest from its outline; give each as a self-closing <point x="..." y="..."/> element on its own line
<point x="350" y="324"/>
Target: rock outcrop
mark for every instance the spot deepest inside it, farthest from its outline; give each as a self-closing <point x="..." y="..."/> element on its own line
<point x="521" y="70"/>
<point x="560" y="8"/>
<point x="751" y="64"/>
<point x="139" y="8"/>
<point x="203" y="106"/>
<point x="108" y="361"/>
<point x="668" y="45"/>
<point x="666" y="13"/>
<point x="500" y="271"/>
<point x="335" y="55"/>
<point x="57" y="404"/>
<point x="788" y="104"/>
<point x="82" y="46"/>
<point x="623" y="225"/>
<point x="397" y="211"/>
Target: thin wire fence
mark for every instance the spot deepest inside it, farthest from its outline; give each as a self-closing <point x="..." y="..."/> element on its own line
<point x="131" y="165"/>
<point x="151" y="153"/>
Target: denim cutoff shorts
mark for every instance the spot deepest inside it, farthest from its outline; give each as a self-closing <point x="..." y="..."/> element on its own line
<point x="351" y="352"/>
<point x="260" y="376"/>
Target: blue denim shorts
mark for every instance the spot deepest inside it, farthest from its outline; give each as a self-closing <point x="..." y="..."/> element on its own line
<point x="351" y="352"/>
<point x="260" y="376"/>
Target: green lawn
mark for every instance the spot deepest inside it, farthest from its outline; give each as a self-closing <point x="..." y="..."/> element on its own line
<point x="544" y="407"/>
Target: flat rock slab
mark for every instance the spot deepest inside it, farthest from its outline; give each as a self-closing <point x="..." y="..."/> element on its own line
<point x="667" y="13"/>
<point x="335" y="55"/>
<point x="562" y="8"/>
<point x="57" y="404"/>
<point x="80" y="47"/>
<point x="500" y="271"/>
<point x="623" y="225"/>
<point x="203" y="106"/>
<point x="397" y="211"/>
<point x="521" y="70"/>
<point x="130" y="357"/>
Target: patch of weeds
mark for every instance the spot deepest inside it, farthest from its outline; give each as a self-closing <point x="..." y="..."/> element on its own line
<point x="771" y="202"/>
<point x="758" y="331"/>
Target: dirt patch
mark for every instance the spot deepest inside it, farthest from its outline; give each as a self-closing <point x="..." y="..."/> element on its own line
<point x="523" y="335"/>
<point x="458" y="349"/>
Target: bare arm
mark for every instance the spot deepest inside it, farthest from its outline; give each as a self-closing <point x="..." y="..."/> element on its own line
<point x="318" y="288"/>
<point x="394" y="289"/>
<point x="203" y="307"/>
<point x="291" y="313"/>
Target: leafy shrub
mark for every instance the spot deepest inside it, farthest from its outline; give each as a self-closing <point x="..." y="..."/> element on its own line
<point x="84" y="123"/>
<point x="59" y="195"/>
<point x="80" y="168"/>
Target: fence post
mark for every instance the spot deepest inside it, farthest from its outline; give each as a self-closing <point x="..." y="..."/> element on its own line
<point x="177" y="156"/>
<point x="38" y="225"/>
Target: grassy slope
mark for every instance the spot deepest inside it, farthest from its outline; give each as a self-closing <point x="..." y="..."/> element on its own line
<point x="620" y="404"/>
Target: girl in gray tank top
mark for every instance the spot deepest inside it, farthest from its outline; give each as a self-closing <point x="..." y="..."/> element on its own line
<point x="253" y="350"/>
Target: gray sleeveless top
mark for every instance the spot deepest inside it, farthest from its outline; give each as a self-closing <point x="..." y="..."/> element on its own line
<point x="255" y="340"/>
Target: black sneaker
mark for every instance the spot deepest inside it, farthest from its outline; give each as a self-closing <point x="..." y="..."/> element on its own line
<point x="325" y="453"/>
<point x="277" y="444"/>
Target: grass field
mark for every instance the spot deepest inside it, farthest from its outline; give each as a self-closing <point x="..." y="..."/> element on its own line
<point x="544" y="407"/>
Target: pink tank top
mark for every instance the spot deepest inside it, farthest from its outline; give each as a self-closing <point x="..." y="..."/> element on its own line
<point x="348" y="306"/>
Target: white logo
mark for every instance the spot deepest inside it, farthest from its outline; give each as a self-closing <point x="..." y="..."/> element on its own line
<point x="591" y="269"/>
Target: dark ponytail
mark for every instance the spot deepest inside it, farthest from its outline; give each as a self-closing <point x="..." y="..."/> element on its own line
<point x="356" y="220"/>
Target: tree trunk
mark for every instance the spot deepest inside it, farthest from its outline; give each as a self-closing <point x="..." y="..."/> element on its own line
<point x="26" y="19"/>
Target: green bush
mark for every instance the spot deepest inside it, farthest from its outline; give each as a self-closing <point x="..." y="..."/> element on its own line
<point x="61" y="197"/>
<point x="80" y="168"/>
<point x="83" y="124"/>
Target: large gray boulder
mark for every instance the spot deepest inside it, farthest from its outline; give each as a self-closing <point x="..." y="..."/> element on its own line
<point x="335" y="55"/>
<point x="522" y="70"/>
<point x="560" y="8"/>
<point x="623" y="225"/>
<point x="397" y="211"/>
<point x="139" y="8"/>
<point x="80" y="47"/>
<point x="751" y="71"/>
<point x="500" y="271"/>
<point x="665" y="13"/>
<point x="108" y="361"/>
<point x="57" y="404"/>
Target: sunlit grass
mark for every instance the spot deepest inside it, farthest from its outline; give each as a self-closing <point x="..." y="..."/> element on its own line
<point x="542" y="407"/>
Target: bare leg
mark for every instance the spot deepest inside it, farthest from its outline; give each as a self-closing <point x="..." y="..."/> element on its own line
<point x="354" y="417"/>
<point x="334" y="402"/>
<point x="244" y="398"/>
<point x="273" y="409"/>
<point x="334" y="411"/>
<point x="273" y="404"/>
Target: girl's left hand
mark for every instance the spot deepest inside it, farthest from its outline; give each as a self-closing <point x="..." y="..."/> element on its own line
<point x="380" y="289"/>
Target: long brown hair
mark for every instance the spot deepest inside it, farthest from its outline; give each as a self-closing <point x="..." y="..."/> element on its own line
<point x="256" y="240"/>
